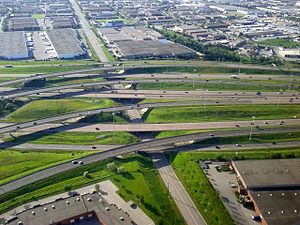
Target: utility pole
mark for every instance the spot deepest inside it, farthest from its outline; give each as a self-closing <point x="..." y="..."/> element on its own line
<point x="251" y="128"/>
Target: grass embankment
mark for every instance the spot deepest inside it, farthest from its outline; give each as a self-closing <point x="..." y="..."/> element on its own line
<point x="203" y="194"/>
<point x="280" y="42"/>
<point x="38" y="16"/>
<point x="220" y="113"/>
<point x="44" y="108"/>
<point x="140" y="183"/>
<point x="256" y="138"/>
<point x="211" y="86"/>
<point x="210" y="70"/>
<point x="79" y="138"/>
<point x="72" y="80"/>
<point x="44" y="69"/>
<point x="15" y="164"/>
<point x="52" y="62"/>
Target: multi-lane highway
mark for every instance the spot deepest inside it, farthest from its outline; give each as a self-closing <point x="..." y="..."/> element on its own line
<point x="154" y="127"/>
<point x="181" y="198"/>
<point x="63" y="117"/>
<point x="97" y="85"/>
<point x="145" y="66"/>
<point x="91" y="36"/>
<point x="142" y="146"/>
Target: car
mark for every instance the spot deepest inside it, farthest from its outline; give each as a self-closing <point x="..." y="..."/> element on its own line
<point x="256" y="218"/>
<point x="238" y="145"/>
<point x="97" y="128"/>
<point x="237" y="125"/>
<point x="186" y="92"/>
<point x="107" y="209"/>
<point x="94" y="147"/>
<point x="233" y="185"/>
<point x="80" y="162"/>
<point x="74" y="162"/>
<point x="266" y="122"/>
<point x="212" y="135"/>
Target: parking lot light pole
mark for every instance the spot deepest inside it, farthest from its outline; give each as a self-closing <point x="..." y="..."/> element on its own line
<point x="251" y="128"/>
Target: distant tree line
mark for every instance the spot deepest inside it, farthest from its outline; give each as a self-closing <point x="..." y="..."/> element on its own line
<point x="216" y="52"/>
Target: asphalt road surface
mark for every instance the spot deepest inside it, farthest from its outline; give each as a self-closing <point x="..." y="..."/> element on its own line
<point x="181" y="198"/>
<point x="145" y="66"/>
<point x="98" y="85"/>
<point x="142" y="146"/>
<point x="64" y="117"/>
<point x="198" y="147"/>
<point x="89" y="33"/>
<point x="151" y="127"/>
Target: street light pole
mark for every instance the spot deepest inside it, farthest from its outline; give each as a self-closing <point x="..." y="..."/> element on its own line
<point x="290" y="83"/>
<point x="251" y="128"/>
<point x="205" y="96"/>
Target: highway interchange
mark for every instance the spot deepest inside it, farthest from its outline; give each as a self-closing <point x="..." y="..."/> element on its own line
<point x="105" y="89"/>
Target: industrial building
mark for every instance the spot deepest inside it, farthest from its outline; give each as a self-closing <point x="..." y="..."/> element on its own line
<point x="137" y="43"/>
<point x="87" y="208"/>
<point x="274" y="188"/>
<point x="66" y="43"/>
<point x="13" y="45"/>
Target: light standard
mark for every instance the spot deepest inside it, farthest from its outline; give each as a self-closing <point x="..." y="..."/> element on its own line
<point x="205" y="96"/>
<point x="251" y="127"/>
<point x="290" y="83"/>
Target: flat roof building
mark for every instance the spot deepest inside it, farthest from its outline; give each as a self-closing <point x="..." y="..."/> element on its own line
<point x="13" y="45"/>
<point x="274" y="188"/>
<point x="78" y="209"/>
<point x="278" y="173"/>
<point x="65" y="43"/>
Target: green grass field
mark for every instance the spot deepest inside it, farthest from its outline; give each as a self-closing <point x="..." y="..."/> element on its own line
<point x="282" y="42"/>
<point x="15" y="164"/>
<point x="80" y="138"/>
<point x="212" y="86"/>
<point x="72" y="80"/>
<point x="44" y="69"/>
<point x="256" y="138"/>
<point x="204" y="196"/>
<point x="52" y="62"/>
<point x="44" y="108"/>
<point x="220" y="113"/>
<point x="38" y="16"/>
<point x="140" y="183"/>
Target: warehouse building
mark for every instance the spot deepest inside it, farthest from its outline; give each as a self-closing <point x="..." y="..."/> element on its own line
<point x="13" y="45"/>
<point x="139" y="43"/>
<point x="66" y="43"/>
<point x="87" y="208"/>
<point x="274" y="188"/>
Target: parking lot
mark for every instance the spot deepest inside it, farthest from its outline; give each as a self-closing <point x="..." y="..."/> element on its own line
<point x="225" y="183"/>
<point x="39" y="47"/>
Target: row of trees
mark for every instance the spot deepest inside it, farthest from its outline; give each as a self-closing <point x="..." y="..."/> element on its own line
<point x="217" y="52"/>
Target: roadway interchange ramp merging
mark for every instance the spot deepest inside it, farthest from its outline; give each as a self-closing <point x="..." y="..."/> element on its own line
<point x="142" y="146"/>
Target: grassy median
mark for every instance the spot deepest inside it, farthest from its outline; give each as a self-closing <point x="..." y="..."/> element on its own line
<point x="212" y="113"/>
<point x="15" y="164"/>
<point x="45" y="108"/>
<point x="79" y="138"/>
<point x="140" y="183"/>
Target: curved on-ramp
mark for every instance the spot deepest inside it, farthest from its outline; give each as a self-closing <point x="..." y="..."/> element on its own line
<point x="183" y="139"/>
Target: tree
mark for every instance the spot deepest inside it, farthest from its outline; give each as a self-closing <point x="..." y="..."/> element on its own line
<point x="86" y="174"/>
<point x="97" y="187"/>
<point x="111" y="166"/>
